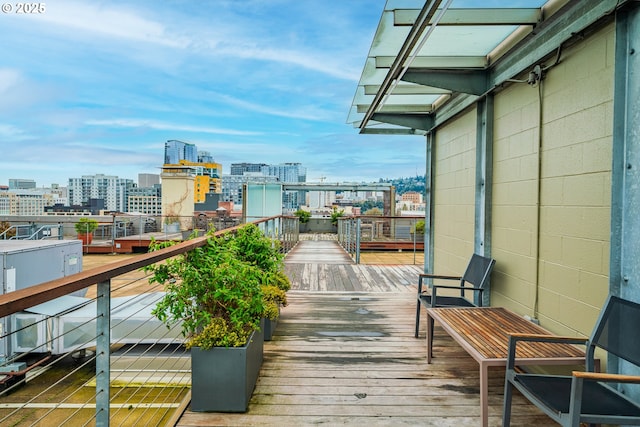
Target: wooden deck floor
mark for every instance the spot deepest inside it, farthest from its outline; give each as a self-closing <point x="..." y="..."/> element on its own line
<point x="344" y="354"/>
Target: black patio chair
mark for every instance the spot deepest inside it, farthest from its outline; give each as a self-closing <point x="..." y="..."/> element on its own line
<point x="584" y="397"/>
<point x="476" y="274"/>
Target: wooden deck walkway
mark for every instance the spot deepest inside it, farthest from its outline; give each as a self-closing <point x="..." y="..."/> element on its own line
<point x="344" y="354"/>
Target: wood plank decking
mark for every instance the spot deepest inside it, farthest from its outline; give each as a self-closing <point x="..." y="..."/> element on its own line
<point x="344" y="354"/>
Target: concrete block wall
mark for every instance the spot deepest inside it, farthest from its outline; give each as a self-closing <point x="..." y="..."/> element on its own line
<point x="454" y="192"/>
<point x="576" y="185"/>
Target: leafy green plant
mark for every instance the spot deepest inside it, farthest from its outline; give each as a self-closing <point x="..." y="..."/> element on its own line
<point x="335" y="214"/>
<point x="86" y="225"/>
<point x="274" y="298"/>
<point x="253" y="247"/>
<point x="418" y="227"/>
<point x="219" y="292"/>
<point x="303" y="215"/>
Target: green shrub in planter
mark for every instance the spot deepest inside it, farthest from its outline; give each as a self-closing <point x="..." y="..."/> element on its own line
<point x="418" y="228"/>
<point x="86" y="225"/>
<point x="215" y="295"/>
<point x="217" y="291"/>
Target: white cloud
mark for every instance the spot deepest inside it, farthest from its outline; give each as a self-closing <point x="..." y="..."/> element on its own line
<point x="13" y="133"/>
<point x="107" y="20"/>
<point x="9" y="78"/>
<point x="310" y="60"/>
<point x="281" y="112"/>
<point x="158" y="125"/>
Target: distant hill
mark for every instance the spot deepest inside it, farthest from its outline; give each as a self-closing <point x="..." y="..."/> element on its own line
<point x="402" y="185"/>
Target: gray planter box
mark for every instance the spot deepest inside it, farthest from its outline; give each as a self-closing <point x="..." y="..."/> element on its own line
<point x="223" y="379"/>
<point x="269" y="328"/>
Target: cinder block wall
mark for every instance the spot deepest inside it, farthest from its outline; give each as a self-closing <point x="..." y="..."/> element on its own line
<point x="454" y="192"/>
<point x="558" y="252"/>
<point x="576" y="185"/>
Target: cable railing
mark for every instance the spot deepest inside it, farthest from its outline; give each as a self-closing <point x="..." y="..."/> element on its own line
<point x="101" y="358"/>
<point x="362" y="233"/>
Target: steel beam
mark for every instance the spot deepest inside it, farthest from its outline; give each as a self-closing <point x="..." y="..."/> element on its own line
<point x="469" y="16"/>
<point x="103" y="355"/>
<point x="484" y="183"/>
<point x="391" y="131"/>
<point x="624" y="269"/>
<point x="429" y="238"/>
<point x="466" y="81"/>
<point x="451" y="61"/>
<point x="413" y="121"/>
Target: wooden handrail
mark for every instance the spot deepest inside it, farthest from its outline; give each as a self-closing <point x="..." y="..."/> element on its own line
<point x="19" y="300"/>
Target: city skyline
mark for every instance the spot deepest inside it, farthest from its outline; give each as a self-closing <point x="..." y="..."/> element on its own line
<point x="98" y="88"/>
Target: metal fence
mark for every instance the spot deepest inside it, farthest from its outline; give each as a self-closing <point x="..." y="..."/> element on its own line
<point x="360" y="233"/>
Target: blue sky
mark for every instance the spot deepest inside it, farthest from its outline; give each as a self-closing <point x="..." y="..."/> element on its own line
<point x="94" y="87"/>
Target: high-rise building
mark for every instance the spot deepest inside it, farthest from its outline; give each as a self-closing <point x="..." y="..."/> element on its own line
<point x="290" y="172"/>
<point x="146" y="200"/>
<point x="242" y="168"/>
<point x="21" y="184"/>
<point x="203" y="170"/>
<point x="23" y="202"/>
<point x="146" y="180"/>
<point x="232" y="185"/>
<point x="175" y="150"/>
<point x="113" y="190"/>
<point x="283" y="172"/>
<point x="205" y="157"/>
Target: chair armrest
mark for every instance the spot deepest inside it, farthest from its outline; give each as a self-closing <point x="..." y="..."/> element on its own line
<point x="458" y="287"/>
<point x="515" y="337"/>
<point x="547" y="338"/>
<point x="422" y="276"/>
<point x="438" y="276"/>
<point x="434" y="291"/>
<point x="597" y="376"/>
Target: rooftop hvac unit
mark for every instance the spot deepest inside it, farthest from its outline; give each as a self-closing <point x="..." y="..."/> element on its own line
<point x="26" y="263"/>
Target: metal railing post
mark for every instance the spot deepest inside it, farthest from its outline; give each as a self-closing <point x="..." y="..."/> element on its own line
<point x="103" y="341"/>
<point x="358" y="236"/>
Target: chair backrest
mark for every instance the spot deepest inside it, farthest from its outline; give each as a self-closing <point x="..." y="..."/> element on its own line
<point x="617" y="330"/>
<point x="478" y="271"/>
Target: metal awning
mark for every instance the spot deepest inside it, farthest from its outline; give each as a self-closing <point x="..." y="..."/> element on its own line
<point x="425" y="52"/>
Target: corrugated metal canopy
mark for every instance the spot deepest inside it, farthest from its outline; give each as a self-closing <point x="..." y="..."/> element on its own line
<point x="423" y="52"/>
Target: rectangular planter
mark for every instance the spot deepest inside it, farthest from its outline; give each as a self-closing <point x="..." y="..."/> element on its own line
<point x="223" y="379"/>
<point x="269" y="328"/>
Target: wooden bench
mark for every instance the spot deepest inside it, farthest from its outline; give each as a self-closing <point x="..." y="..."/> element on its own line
<point x="484" y="333"/>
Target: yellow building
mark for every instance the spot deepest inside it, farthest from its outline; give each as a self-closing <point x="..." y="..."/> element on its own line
<point x="208" y="179"/>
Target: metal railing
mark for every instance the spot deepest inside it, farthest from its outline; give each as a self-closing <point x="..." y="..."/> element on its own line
<point x="32" y="232"/>
<point x="99" y="359"/>
<point x="359" y="233"/>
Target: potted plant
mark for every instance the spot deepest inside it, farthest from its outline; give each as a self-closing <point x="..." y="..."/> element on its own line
<point x="303" y="217"/>
<point x="274" y="294"/>
<point x="216" y="293"/>
<point x="84" y="228"/>
<point x="335" y="214"/>
<point x="171" y="223"/>
<point x="418" y="228"/>
<point x="259" y="250"/>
